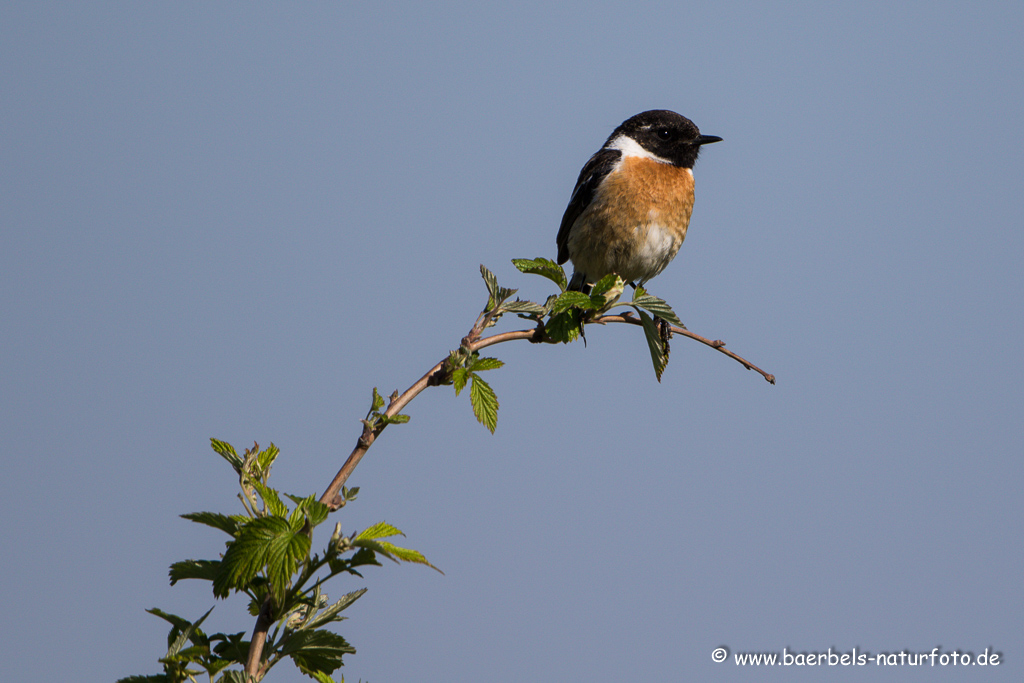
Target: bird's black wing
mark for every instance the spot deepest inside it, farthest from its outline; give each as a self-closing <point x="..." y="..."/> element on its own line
<point x="591" y="176"/>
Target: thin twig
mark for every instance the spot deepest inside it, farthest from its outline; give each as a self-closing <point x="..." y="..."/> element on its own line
<point x="474" y="342"/>
<point x="718" y="345"/>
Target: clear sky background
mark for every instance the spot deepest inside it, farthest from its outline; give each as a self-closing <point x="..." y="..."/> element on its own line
<point x="234" y="220"/>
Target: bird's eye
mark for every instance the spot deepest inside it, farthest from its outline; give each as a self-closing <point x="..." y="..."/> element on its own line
<point x="664" y="134"/>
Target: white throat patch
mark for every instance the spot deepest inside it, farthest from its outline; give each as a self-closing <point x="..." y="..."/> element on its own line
<point x="631" y="148"/>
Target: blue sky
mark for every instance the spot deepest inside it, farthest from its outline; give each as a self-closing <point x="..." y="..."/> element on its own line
<point x="234" y="220"/>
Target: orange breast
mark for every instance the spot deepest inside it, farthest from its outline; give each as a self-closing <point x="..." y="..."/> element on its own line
<point x="636" y="224"/>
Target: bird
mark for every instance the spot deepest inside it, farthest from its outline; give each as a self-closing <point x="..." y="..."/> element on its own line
<point x="631" y="206"/>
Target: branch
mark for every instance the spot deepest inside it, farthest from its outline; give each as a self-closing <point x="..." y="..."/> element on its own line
<point x="717" y="344"/>
<point x="474" y="342"/>
<point x="259" y="638"/>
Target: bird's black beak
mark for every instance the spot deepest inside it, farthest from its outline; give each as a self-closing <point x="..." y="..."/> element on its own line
<point x="707" y="139"/>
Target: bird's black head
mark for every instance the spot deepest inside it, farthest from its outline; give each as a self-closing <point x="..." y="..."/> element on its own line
<point x="663" y="134"/>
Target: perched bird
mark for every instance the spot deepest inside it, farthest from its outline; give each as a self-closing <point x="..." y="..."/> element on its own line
<point x="632" y="203"/>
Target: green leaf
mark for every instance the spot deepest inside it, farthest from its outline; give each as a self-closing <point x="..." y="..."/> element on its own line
<point x="174" y="620"/>
<point x="459" y="378"/>
<point x="567" y="300"/>
<point x="497" y="294"/>
<point x="544" y="267"/>
<point x="657" y="307"/>
<point x="330" y="614"/>
<point x="480" y="364"/>
<point x="270" y="498"/>
<point x="315" y="511"/>
<point x="248" y="553"/>
<point x="394" y="552"/>
<point x="227" y="451"/>
<point x="190" y="633"/>
<point x="379" y="530"/>
<point x="609" y="283"/>
<point x="194" y="569"/>
<point x="233" y="647"/>
<point x="394" y="419"/>
<point x="518" y="306"/>
<point x="284" y="553"/>
<point x="658" y="356"/>
<point x="485" y="403"/>
<point x="267" y="456"/>
<point x="563" y="327"/>
<point x="362" y="557"/>
<point x="214" y="665"/>
<point x="378" y="401"/>
<point x="490" y="281"/>
<point x="190" y="655"/>
<point x="233" y="677"/>
<point x="606" y="291"/>
<point x="227" y="524"/>
<point x="321" y="677"/>
<point x="314" y="651"/>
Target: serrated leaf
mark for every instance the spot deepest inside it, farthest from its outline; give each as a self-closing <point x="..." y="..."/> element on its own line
<point x="489" y="280"/>
<point x="567" y="300"/>
<point x="485" y="403"/>
<point x="379" y="530"/>
<point x="190" y="632"/>
<point x="172" y="619"/>
<point x="227" y="451"/>
<point x="657" y="307"/>
<point x="658" y="356"/>
<point x="607" y="290"/>
<point x="189" y="655"/>
<point x="284" y="553"/>
<point x="330" y="614"/>
<point x="314" y="651"/>
<point x="213" y="666"/>
<point x="266" y="457"/>
<point x="505" y="293"/>
<point x="395" y="553"/>
<point x="194" y="569"/>
<point x="247" y="554"/>
<point x="524" y="307"/>
<point x="459" y="378"/>
<point x="544" y="267"/>
<point x="362" y="557"/>
<point x="233" y="676"/>
<point x="270" y="498"/>
<point x="497" y="294"/>
<point x="609" y="287"/>
<point x="313" y="510"/>
<point x="377" y="402"/>
<point x="226" y="523"/>
<point x="231" y="646"/>
<point x="563" y="327"/>
<point x="481" y="364"/>
<point x="399" y="419"/>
